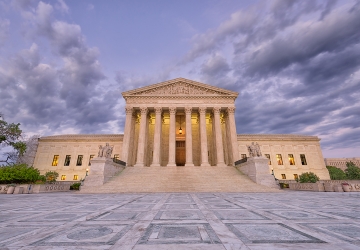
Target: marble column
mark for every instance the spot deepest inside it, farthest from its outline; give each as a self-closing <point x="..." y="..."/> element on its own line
<point x="172" y="138"/>
<point x="188" y="138"/>
<point x="142" y="134"/>
<point x="218" y="138"/>
<point x="233" y="135"/>
<point x="203" y="138"/>
<point x="157" y="138"/>
<point x="127" y="135"/>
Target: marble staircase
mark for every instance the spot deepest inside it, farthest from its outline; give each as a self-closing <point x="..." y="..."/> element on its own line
<point x="179" y="179"/>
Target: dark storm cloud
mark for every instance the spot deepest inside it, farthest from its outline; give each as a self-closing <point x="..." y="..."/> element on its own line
<point x="297" y="69"/>
<point x="67" y="97"/>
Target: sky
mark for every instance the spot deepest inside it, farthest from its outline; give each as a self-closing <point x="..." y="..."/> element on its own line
<point x="295" y="64"/>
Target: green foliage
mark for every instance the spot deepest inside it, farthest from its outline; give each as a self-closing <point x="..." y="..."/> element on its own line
<point x="10" y="135"/>
<point x="308" y="177"/>
<point x="352" y="171"/>
<point x="75" y="186"/>
<point x="51" y="176"/>
<point x="284" y="185"/>
<point x="336" y="173"/>
<point x="18" y="173"/>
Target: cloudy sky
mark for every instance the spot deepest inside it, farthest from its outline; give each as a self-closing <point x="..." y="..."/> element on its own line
<point x="296" y="64"/>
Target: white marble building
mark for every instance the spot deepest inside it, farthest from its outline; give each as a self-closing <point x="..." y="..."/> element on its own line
<point x="180" y="123"/>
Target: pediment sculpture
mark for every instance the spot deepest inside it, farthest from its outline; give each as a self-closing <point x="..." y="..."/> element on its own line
<point x="180" y="88"/>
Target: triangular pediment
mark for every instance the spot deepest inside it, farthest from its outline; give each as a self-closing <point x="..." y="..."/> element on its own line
<point x="180" y="87"/>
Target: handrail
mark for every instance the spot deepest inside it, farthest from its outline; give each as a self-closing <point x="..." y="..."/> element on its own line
<point x="241" y="161"/>
<point x="119" y="162"/>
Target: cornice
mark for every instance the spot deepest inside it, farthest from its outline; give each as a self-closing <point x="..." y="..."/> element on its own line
<point x="277" y="137"/>
<point x="82" y="137"/>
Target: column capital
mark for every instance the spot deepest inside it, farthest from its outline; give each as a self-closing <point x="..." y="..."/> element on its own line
<point x="188" y="110"/>
<point x="231" y="110"/>
<point x="202" y="110"/>
<point x="172" y="110"/>
<point x="143" y="110"/>
<point x="158" y="110"/>
<point x="216" y="110"/>
<point x="129" y="110"/>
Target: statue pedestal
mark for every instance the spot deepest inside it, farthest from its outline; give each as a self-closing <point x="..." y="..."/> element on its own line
<point x="102" y="169"/>
<point x="257" y="169"/>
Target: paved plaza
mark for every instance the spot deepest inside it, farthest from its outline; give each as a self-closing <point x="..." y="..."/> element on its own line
<point x="286" y="220"/>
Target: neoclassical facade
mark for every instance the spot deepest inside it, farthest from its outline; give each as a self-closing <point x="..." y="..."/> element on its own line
<point x="180" y="123"/>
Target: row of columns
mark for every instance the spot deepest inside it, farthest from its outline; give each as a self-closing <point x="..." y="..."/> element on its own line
<point x="140" y="159"/>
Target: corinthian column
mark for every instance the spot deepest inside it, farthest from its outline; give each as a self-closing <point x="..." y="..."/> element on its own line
<point x="218" y="138"/>
<point x="157" y="142"/>
<point x="188" y="138"/>
<point x="141" y="143"/>
<point x="233" y="135"/>
<point x="172" y="138"/>
<point x="127" y="135"/>
<point x="203" y="138"/>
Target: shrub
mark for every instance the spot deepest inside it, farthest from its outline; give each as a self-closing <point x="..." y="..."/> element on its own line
<point x="18" y="173"/>
<point x="51" y="176"/>
<point x="336" y="173"/>
<point x="308" y="177"/>
<point x="75" y="186"/>
<point x="352" y="171"/>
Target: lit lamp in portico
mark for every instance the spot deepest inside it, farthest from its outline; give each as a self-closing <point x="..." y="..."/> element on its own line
<point x="180" y="130"/>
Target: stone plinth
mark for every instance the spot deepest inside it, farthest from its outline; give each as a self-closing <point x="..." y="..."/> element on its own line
<point x="102" y="169"/>
<point x="257" y="169"/>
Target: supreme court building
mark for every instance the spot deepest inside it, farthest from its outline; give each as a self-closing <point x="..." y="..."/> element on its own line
<point x="176" y="123"/>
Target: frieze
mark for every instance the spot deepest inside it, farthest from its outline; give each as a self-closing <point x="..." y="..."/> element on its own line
<point x="182" y="100"/>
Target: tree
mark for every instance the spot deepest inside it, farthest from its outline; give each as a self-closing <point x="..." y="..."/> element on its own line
<point x="308" y="177"/>
<point x="352" y="171"/>
<point x="336" y="173"/>
<point x="10" y="135"/>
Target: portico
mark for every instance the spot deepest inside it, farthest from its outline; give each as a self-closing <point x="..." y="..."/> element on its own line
<point x="180" y="123"/>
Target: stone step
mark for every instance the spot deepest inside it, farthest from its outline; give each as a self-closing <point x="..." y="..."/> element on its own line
<point x="179" y="179"/>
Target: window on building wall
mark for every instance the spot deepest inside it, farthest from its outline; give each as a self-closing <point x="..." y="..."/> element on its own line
<point x="76" y="177"/>
<point x="91" y="157"/>
<point x="63" y="177"/>
<point x="55" y="161"/>
<point x="67" y="160"/>
<point x="279" y="159"/>
<point x="296" y="177"/>
<point x="243" y="156"/>
<point x="116" y="157"/>
<point x="283" y="176"/>
<point x="303" y="159"/>
<point x="268" y="156"/>
<point x="291" y="159"/>
<point x="79" y="160"/>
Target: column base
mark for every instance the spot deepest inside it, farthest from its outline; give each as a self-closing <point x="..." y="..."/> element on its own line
<point x="139" y="165"/>
<point x="171" y="165"/>
<point x="205" y="165"/>
<point x="189" y="164"/>
<point x="221" y="164"/>
<point x="155" y="165"/>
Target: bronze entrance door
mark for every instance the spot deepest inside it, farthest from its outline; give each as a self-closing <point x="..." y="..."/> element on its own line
<point x="180" y="153"/>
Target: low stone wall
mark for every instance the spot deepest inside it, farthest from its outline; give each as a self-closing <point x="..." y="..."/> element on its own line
<point x="317" y="187"/>
<point x="326" y="185"/>
<point x="35" y="188"/>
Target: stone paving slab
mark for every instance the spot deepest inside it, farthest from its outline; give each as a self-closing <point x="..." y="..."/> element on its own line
<point x="285" y="220"/>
